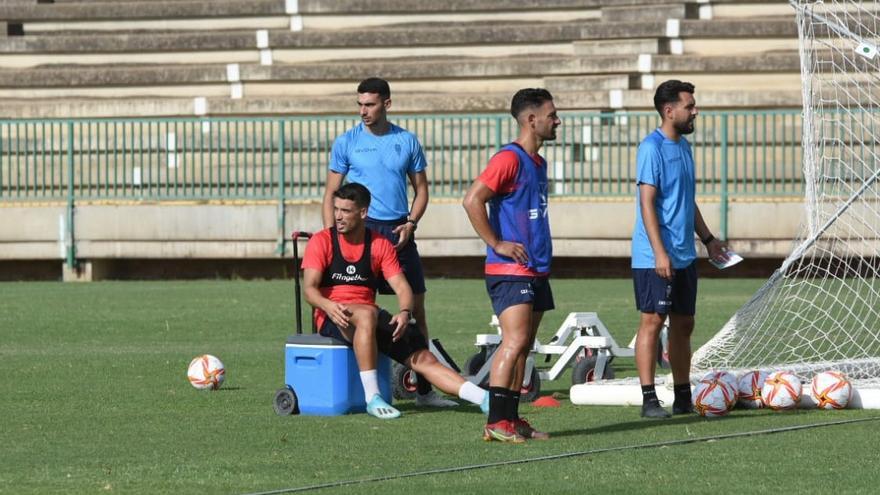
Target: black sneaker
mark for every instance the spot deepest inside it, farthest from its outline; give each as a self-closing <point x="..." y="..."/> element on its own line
<point x="652" y="409"/>
<point x="682" y="407"/>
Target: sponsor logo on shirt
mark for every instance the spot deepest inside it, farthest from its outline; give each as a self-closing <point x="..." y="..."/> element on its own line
<point x="348" y="278"/>
<point x="366" y="150"/>
<point x="350" y="269"/>
<point x="536" y="213"/>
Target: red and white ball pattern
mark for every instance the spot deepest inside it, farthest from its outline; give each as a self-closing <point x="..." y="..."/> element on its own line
<point x="831" y="390"/>
<point x="749" y="389"/>
<point x="206" y="372"/>
<point x="724" y="377"/>
<point x="713" y="398"/>
<point x="781" y="391"/>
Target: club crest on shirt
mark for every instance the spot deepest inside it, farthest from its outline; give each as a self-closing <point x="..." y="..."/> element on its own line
<point x="397" y="148"/>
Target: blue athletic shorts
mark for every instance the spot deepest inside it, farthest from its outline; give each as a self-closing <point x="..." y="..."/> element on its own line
<point x="507" y="290"/>
<point x="412" y="339"/>
<point x="409" y="257"/>
<point x="658" y="295"/>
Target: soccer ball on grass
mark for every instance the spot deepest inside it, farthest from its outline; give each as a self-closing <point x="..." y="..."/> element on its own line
<point x="724" y="377"/>
<point x="831" y="390"/>
<point x="749" y="389"/>
<point x="713" y="398"/>
<point x="206" y="372"/>
<point x="781" y="391"/>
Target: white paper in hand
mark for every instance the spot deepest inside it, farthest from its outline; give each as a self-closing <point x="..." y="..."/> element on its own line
<point x="732" y="259"/>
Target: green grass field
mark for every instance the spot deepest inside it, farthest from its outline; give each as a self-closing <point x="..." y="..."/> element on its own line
<point x="94" y="399"/>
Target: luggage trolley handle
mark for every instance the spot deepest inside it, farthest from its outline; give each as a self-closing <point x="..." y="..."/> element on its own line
<point x="296" y="273"/>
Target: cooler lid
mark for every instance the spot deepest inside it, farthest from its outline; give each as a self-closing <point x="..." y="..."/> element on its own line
<point x="314" y="339"/>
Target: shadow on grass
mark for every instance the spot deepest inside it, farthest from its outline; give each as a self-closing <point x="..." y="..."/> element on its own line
<point x="639" y="425"/>
<point x="230" y="389"/>
<point x="464" y="407"/>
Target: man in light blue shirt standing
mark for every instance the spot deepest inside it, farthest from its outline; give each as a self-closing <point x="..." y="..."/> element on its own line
<point x="663" y="251"/>
<point x="382" y="156"/>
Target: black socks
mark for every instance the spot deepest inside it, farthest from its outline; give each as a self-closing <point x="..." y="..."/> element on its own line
<point x="423" y="385"/>
<point x="682" y="393"/>
<point x="498" y="399"/>
<point x="513" y="406"/>
<point x="503" y="404"/>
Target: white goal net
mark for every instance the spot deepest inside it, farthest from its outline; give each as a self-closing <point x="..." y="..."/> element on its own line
<point x="821" y="309"/>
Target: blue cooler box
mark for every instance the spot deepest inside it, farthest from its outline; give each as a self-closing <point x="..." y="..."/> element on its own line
<point x="324" y="375"/>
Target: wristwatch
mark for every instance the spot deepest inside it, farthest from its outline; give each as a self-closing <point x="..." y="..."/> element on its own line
<point x="413" y="222"/>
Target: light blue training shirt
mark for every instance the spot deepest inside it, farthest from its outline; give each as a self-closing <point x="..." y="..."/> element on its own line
<point x="669" y="166"/>
<point x="381" y="163"/>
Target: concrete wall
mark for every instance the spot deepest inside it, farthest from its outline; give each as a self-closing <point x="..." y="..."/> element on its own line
<point x="581" y="228"/>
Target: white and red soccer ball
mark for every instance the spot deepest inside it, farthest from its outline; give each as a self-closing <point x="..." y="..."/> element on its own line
<point x="749" y="387"/>
<point x="206" y="372"/>
<point x="713" y="397"/>
<point x="781" y="391"/>
<point x="831" y="390"/>
<point x="724" y="377"/>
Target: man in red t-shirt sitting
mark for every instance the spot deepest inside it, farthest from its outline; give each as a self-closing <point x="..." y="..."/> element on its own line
<point x="341" y="266"/>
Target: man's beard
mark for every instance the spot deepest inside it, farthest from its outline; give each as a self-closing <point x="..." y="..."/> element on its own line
<point x="685" y="127"/>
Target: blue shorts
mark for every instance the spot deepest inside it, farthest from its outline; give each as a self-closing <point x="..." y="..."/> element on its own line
<point x="508" y="290"/>
<point x="412" y="339"/>
<point x="658" y="295"/>
<point x="409" y="257"/>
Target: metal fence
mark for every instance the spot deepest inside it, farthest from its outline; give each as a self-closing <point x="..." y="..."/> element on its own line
<point x="742" y="153"/>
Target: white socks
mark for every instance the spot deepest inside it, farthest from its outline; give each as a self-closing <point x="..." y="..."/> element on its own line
<point x="370" y="381"/>
<point x="471" y="393"/>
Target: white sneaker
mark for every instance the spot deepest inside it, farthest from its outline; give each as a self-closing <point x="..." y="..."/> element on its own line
<point x="431" y="399"/>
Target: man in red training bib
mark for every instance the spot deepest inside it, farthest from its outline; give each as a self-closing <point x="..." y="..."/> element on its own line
<point x="341" y="267"/>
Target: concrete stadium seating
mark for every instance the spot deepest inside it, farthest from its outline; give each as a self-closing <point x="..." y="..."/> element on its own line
<point x="152" y="58"/>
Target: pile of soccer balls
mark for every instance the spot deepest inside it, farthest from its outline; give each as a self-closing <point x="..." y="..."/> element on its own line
<point x="719" y="391"/>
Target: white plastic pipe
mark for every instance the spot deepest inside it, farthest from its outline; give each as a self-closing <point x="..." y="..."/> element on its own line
<point x="595" y="394"/>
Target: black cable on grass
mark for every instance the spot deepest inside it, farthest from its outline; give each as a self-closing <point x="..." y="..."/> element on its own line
<point x="551" y="457"/>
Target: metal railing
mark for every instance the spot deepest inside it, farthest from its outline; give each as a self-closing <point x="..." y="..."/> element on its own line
<point x="737" y="154"/>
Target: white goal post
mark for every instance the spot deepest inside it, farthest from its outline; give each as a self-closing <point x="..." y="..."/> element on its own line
<point x="821" y="309"/>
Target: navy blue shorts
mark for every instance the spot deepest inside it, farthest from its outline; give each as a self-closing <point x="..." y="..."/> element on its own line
<point x="412" y="339"/>
<point x="409" y="257"/>
<point x="658" y="295"/>
<point x="508" y="290"/>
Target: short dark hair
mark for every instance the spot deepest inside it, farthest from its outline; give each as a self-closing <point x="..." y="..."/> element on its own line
<point x="354" y="192"/>
<point x="375" y="85"/>
<point x="670" y="92"/>
<point x="528" y="98"/>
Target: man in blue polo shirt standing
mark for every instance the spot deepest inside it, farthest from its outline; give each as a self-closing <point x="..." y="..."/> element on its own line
<point x="663" y="251"/>
<point x="382" y="156"/>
